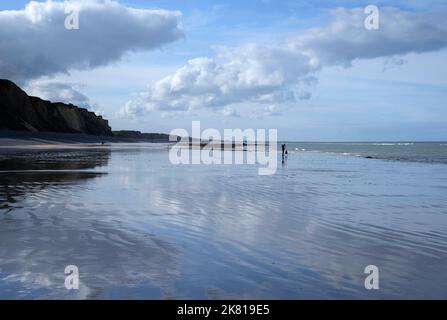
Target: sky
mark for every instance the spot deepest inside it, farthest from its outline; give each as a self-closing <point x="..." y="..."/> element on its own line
<point x="309" y="69"/>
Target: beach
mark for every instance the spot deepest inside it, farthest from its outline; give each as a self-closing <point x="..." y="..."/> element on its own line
<point x="249" y="152"/>
<point x="10" y="139"/>
<point x="139" y="227"/>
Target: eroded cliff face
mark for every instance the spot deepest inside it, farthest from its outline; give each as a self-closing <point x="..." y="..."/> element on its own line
<point x="18" y="111"/>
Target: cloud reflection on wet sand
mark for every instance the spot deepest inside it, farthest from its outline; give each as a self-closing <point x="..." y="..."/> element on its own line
<point x="138" y="226"/>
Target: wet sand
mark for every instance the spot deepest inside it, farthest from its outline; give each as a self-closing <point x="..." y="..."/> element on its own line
<point x="20" y="140"/>
<point x="140" y="227"/>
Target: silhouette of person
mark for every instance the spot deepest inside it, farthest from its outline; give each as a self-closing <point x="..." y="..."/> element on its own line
<point x="283" y="149"/>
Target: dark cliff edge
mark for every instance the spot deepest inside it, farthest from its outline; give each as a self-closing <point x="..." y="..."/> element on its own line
<point x="20" y="112"/>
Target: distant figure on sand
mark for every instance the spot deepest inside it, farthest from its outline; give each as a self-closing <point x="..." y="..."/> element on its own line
<point x="284" y="152"/>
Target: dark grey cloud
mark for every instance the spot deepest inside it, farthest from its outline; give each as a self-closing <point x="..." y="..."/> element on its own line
<point x="34" y="41"/>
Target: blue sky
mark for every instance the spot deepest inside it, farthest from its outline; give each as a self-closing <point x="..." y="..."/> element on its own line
<point x="352" y="94"/>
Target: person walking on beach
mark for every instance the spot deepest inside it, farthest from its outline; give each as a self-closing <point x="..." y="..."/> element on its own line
<point x="283" y="146"/>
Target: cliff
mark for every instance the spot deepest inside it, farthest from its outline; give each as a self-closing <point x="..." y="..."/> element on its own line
<point x="18" y="111"/>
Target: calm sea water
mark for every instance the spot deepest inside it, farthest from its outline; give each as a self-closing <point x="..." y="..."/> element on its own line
<point x="139" y="227"/>
<point x="427" y="152"/>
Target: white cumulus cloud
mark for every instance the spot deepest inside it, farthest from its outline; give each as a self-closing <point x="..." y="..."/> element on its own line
<point x="272" y="75"/>
<point x="65" y="92"/>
